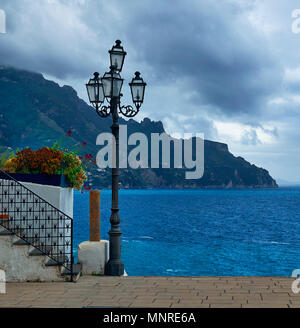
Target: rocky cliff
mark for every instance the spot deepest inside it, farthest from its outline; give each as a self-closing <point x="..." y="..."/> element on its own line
<point x="36" y="112"/>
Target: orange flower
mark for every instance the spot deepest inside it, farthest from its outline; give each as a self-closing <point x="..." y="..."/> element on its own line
<point x="49" y="161"/>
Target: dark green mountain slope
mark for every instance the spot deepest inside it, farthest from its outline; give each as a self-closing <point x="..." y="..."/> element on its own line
<point x="36" y="112"/>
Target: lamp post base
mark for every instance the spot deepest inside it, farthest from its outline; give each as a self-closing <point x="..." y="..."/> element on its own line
<point x="114" y="268"/>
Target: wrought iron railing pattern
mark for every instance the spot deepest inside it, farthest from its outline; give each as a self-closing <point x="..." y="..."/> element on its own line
<point x="36" y="221"/>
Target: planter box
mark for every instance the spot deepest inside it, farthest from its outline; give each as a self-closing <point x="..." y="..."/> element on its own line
<point x="42" y="179"/>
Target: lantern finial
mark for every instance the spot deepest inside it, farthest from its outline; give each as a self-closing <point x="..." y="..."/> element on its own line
<point x="117" y="56"/>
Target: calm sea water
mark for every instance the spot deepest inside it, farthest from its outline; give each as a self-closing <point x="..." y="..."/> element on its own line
<point x="202" y="232"/>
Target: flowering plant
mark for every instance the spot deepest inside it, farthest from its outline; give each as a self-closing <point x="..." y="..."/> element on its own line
<point x="49" y="161"/>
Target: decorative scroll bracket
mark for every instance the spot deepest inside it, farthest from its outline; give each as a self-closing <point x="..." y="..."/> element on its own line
<point x="104" y="111"/>
<point x="129" y="111"/>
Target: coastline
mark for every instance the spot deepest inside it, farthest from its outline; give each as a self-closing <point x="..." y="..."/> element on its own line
<point x="198" y="188"/>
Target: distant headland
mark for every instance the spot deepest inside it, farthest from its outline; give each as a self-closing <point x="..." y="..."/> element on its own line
<point x="37" y="112"/>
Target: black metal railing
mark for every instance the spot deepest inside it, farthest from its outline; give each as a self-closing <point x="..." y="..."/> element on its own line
<point x="36" y="221"/>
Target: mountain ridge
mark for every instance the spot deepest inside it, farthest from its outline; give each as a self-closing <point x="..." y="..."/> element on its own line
<point x="37" y="112"/>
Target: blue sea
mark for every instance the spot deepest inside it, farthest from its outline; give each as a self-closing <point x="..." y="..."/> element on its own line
<point x="202" y="232"/>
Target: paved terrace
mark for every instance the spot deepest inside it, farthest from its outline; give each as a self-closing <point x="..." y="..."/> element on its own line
<point x="169" y="292"/>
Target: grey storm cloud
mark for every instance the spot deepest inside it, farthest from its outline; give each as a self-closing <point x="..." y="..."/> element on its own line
<point x="224" y="59"/>
<point x="207" y="43"/>
<point x="48" y="36"/>
<point x="250" y="138"/>
<point x="204" y="61"/>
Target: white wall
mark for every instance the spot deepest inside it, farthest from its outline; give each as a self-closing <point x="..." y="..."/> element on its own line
<point x="61" y="198"/>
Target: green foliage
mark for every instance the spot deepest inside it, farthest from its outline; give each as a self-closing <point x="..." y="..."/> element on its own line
<point x="75" y="166"/>
<point x="5" y="156"/>
<point x="72" y="166"/>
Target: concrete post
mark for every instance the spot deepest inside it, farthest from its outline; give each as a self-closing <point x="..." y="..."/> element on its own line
<point x="95" y="215"/>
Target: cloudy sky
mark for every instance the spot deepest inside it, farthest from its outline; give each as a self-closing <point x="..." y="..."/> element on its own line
<point x="228" y="68"/>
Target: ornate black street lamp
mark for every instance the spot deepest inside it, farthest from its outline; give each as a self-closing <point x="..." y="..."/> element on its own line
<point x="109" y="87"/>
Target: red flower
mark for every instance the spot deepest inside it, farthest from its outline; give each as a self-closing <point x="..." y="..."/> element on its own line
<point x="69" y="133"/>
<point x="88" y="156"/>
<point x="84" y="144"/>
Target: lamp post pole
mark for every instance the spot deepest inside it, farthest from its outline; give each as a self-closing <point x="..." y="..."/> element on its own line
<point x="109" y="87"/>
<point x="115" y="267"/>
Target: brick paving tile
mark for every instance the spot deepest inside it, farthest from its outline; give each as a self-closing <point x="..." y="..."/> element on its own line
<point x="154" y="292"/>
<point x="225" y="305"/>
<point x="189" y="305"/>
<point x="246" y="298"/>
<point x="265" y="305"/>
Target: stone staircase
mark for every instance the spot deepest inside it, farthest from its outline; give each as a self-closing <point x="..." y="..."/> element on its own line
<point x="23" y="262"/>
<point x="36" y="239"/>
